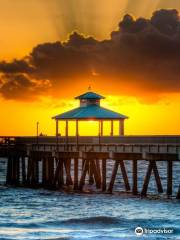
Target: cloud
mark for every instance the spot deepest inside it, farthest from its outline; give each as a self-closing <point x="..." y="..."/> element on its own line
<point x="15" y="67"/>
<point x="141" y="58"/>
<point x="20" y="86"/>
<point x="59" y="61"/>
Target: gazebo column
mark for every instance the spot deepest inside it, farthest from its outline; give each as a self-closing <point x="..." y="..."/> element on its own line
<point x="77" y="131"/>
<point x="101" y="128"/>
<point x="66" y="131"/>
<point x="112" y="128"/>
<point x="57" y="128"/>
<point x="99" y="132"/>
<point x="121" y="127"/>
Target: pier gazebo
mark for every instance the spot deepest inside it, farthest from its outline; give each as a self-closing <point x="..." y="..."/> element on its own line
<point x="91" y="110"/>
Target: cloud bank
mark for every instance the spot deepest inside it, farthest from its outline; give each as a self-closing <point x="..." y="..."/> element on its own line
<point x="142" y="55"/>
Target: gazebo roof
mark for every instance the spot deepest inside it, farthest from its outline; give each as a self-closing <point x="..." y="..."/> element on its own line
<point x="90" y="95"/>
<point x="90" y="112"/>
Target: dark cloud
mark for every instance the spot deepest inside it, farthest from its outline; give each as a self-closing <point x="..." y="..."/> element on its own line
<point x="142" y="54"/>
<point x="54" y="60"/>
<point x="166" y="21"/>
<point x="77" y="40"/>
<point x="16" y="66"/>
<point x="20" y="86"/>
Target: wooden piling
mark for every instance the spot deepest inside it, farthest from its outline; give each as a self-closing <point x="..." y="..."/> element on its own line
<point x="61" y="173"/>
<point x="146" y="179"/>
<point x="76" y="173"/>
<point x="50" y="171"/>
<point x="56" y="174"/>
<point x="91" y="177"/>
<point x="29" y="171"/>
<point x="9" y="171"/>
<point x="17" y="174"/>
<point x="151" y="167"/>
<point x="124" y="174"/>
<point x="169" y="177"/>
<point x="33" y="180"/>
<point x="97" y="162"/>
<point x="113" y="177"/>
<point x="95" y="173"/>
<point x="44" y="172"/>
<point x="14" y="170"/>
<point x="157" y="177"/>
<point x="135" y="179"/>
<point x="178" y="194"/>
<point x="103" y="175"/>
<point x="23" y="167"/>
<point x="67" y="165"/>
<point x="84" y="172"/>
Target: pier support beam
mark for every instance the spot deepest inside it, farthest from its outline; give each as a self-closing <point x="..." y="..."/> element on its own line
<point x="34" y="176"/>
<point x="178" y="194"/>
<point x="103" y="175"/>
<point x="84" y="172"/>
<point x="9" y="170"/>
<point x="91" y="177"/>
<point x="17" y="170"/>
<point x="135" y="179"/>
<point x="33" y="172"/>
<point x="48" y="172"/>
<point x="152" y="167"/>
<point x="23" y="166"/>
<point x="61" y="174"/>
<point x="67" y="164"/>
<point x="96" y="173"/>
<point x="90" y="166"/>
<point x="124" y="175"/>
<point x="113" y="177"/>
<point x="76" y="161"/>
<point x="169" y="177"/>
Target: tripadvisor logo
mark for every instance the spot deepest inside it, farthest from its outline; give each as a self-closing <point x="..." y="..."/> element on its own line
<point x="139" y="231"/>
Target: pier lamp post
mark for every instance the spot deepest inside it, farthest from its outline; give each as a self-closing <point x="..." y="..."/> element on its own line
<point x="37" y="131"/>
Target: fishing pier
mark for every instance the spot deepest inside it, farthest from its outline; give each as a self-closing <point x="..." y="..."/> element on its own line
<point x="72" y="162"/>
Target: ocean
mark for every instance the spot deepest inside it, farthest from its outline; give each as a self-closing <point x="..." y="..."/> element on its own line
<point x="41" y="214"/>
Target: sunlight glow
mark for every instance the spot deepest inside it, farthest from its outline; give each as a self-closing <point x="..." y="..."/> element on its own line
<point x="49" y="21"/>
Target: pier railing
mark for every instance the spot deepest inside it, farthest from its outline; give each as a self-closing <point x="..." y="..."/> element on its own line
<point x="133" y="148"/>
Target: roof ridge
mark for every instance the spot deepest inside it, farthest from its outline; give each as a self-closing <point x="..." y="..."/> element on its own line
<point x="90" y="95"/>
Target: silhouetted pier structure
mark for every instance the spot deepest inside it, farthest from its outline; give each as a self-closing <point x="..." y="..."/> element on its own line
<point x="66" y="162"/>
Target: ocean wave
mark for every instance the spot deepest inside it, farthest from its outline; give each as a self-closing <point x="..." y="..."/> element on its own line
<point x="20" y="225"/>
<point x="105" y="221"/>
<point x="95" y="221"/>
<point x="92" y="220"/>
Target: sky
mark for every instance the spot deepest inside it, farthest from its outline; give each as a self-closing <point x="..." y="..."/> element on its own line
<point x="52" y="50"/>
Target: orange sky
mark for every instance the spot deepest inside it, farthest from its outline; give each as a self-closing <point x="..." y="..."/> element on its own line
<point x="24" y="24"/>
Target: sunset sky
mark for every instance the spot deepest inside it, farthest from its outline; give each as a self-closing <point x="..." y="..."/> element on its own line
<point x="52" y="50"/>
